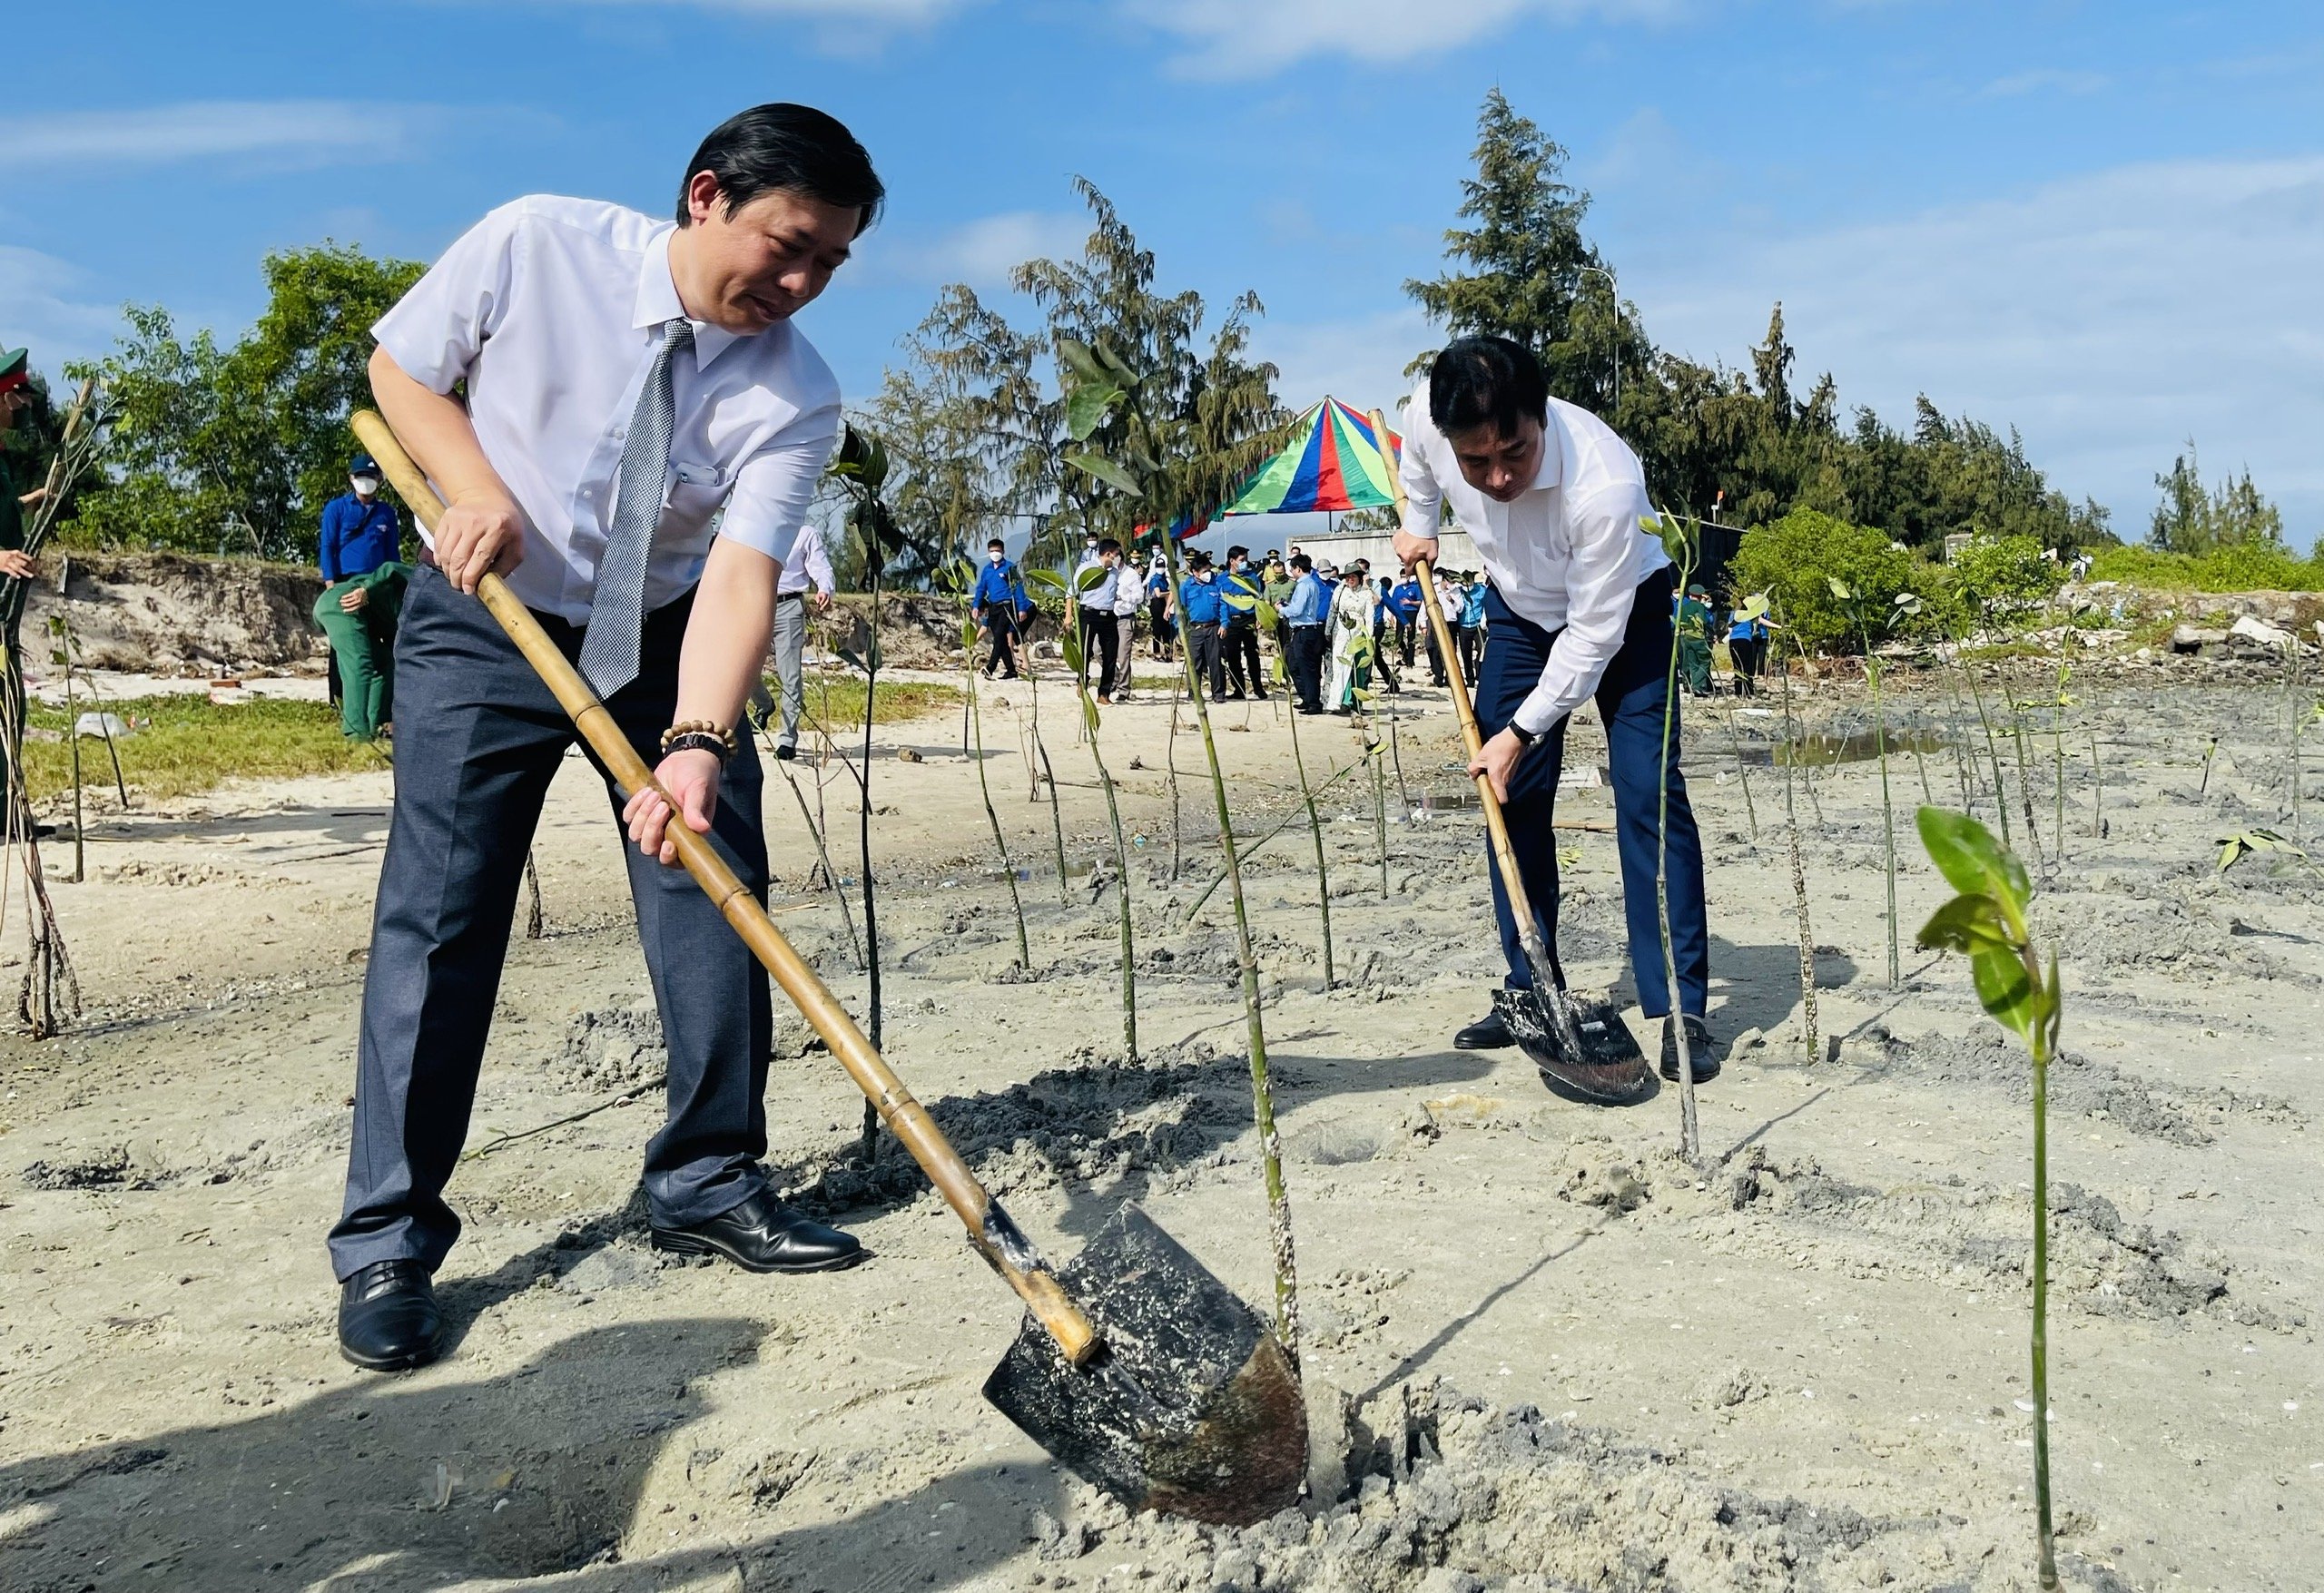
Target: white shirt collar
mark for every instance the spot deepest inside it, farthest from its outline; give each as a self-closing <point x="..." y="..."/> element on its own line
<point x="1551" y="472"/>
<point x="658" y="302"/>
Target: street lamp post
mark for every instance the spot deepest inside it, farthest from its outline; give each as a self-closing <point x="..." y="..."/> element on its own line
<point x="1614" y="291"/>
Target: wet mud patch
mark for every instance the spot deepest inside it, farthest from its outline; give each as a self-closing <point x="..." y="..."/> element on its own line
<point x="1098" y="1118"/>
<point x="2079" y="1085"/>
<point x="1443" y="1493"/>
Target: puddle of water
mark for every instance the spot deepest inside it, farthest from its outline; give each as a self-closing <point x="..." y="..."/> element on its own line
<point x="1822" y="751"/>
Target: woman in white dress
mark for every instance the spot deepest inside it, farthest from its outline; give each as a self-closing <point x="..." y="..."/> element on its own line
<point x="1351" y="621"/>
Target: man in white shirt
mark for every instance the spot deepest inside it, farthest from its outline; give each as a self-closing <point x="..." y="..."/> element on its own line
<point x="1579" y="607"/>
<point x="588" y="388"/>
<point x="1097" y="586"/>
<point x="808" y="564"/>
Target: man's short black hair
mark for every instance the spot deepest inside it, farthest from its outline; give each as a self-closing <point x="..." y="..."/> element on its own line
<point x="1235" y="553"/>
<point x="1485" y="381"/>
<point x="787" y="149"/>
<point x="996" y="541"/>
<point x="1302" y="564"/>
<point x="1198" y="560"/>
<point x="1108" y="544"/>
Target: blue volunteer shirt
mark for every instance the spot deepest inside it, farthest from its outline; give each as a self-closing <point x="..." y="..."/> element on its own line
<point x="357" y="537"/>
<point x="1403" y="601"/>
<point x="998" y="588"/>
<point x="1473" y="606"/>
<point x="1198" y="602"/>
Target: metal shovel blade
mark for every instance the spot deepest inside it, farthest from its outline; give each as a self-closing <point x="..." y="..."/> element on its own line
<point x="1609" y="1070"/>
<point x="1192" y="1408"/>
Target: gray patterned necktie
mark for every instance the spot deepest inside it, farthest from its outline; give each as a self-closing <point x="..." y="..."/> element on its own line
<point x="617" y="610"/>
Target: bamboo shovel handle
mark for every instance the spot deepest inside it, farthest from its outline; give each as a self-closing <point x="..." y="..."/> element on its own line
<point x="991" y="1230"/>
<point x="1521" y="907"/>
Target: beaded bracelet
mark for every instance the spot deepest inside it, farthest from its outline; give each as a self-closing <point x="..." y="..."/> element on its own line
<point x="699" y="732"/>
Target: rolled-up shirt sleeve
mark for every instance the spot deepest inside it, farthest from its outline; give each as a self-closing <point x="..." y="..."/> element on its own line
<point x="775" y="486"/>
<point x="1602" y="580"/>
<point x="1424" y="498"/>
<point x="435" y="329"/>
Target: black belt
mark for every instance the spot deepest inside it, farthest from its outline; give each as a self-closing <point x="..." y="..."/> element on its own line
<point x="800" y="596"/>
<point x="1202" y="625"/>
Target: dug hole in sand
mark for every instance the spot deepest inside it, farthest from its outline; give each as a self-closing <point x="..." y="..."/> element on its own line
<point x="1540" y="1353"/>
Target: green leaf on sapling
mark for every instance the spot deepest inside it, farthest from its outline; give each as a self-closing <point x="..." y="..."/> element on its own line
<point x="1968" y="923"/>
<point x="1048" y="578"/>
<point x="2005" y="991"/>
<point x="1105" y="471"/>
<point x="1966" y="852"/>
<point x="969" y="634"/>
<point x="1092" y="576"/>
<point x="1076" y="353"/>
<point x="1087" y="407"/>
<point x="1269" y="616"/>
<point x="1070" y="645"/>
<point x="1239" y="600"/>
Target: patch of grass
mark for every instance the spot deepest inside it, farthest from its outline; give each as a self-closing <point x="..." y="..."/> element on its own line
<point x="193" y="744"/>
<point x="836" y="701"/>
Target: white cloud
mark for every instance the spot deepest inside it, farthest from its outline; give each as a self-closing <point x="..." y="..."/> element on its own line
<point x="296" y="131"/>
<point x="1255" y="38"/>
<point x="2110" y="316"/>
<point x="1359" y="362"/>
<point x="980" y="252"/>
<point x="38" y="309"/>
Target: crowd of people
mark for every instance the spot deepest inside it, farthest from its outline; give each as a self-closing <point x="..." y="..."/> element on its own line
<point x="1335" y="628"/>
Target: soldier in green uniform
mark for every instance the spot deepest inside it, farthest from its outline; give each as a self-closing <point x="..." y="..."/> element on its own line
<point x="1694" y="641"/>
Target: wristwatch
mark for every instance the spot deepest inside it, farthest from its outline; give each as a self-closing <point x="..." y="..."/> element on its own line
<point x="1525" y="738"/>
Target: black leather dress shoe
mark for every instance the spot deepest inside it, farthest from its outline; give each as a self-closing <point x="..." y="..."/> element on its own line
<point x="1489" y="1033"/>
<point x="764" y="1235"/>
<point x="1700" y="1057"/>
<point x="389" y="1320"/>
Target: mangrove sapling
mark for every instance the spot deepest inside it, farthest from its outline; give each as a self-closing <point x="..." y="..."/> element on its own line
<point x="824" y="860"/>
<point x="1097" y="381"/>
<point x="536" y="921"/>
<point x="1754" y="607"/>
<point x="2210" y="749"/>
<point x="2234" y="849"/>
<point x="1905" y="604"/>
<point x="2058" y="767"/>
<point x="1048" y="776"/>
<point x="1985" y="723"/>
<point x="1074" y="661"/>
<point x="1251" y="850"/>
<point x="961" y="579"/>
<point x="1316" y="830"/>
<point x="2026" y="781"/>
<point x="63" y="656"/>
<point x="861" y="462"/>
<point x="2018" y="987"/>
<point x="1798" y="876"/>
<point x="1681" y="547"/>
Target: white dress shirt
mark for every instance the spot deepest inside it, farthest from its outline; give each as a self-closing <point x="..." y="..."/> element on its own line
<point x="807" y="562"/>
<point x="1097" y="597"/>
<point x="1569" y="555"/>
<point x="551" y="310"/>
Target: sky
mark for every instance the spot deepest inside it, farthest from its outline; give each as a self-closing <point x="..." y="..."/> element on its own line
<point x="2100" y="224"/>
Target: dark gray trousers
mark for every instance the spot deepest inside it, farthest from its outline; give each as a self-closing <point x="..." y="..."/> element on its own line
<point x="478" y="739"/>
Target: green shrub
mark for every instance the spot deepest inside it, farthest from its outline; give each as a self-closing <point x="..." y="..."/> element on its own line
<point x="1796" y="559"/>
<point x="1995" y="577"/>
<point x="2238" y="568"/>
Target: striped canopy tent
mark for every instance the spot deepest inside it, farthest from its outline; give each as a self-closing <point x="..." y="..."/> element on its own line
<point x="1332" y="463"/>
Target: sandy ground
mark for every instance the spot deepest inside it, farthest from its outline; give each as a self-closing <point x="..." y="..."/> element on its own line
<point x="1574" y="1362"/>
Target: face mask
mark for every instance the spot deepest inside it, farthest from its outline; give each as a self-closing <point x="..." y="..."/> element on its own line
<point x="364" y="485"/>
<point x="995" y="554"/>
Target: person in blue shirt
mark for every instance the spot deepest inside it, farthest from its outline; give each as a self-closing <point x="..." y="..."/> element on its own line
<point x="1403" y="607"/>
<point x="1472" y="621"/>
<point x="1000" y="605"/>
<point x="1199" y="610"/>
<point x="362" y="597"/>
<point x="1238" y="629"/>
<point x="1303" y="613"/>
<point x="1747" y="645"/>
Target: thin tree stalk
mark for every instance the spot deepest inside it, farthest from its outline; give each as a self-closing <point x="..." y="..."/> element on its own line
<point x="1690" y="1145"/>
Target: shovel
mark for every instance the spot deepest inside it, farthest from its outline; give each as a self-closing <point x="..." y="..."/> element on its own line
<point x="1134" y="1366"/>
<point x="1579" y="1046"/>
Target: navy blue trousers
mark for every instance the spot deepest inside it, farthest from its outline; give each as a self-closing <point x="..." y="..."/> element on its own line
<point x="478" y="739"/>
<point x="1630" y="698"/>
